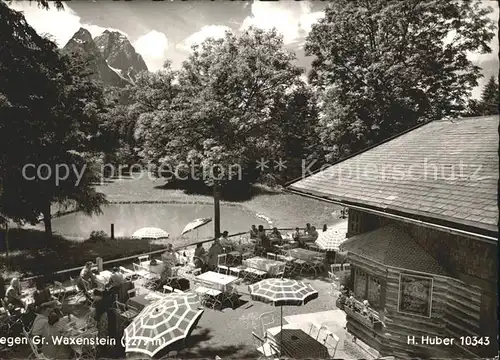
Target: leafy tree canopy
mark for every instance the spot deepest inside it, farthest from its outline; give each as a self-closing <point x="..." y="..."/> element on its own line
<point x="51" y="114"/>
<point x="222" y="110"/>
<point x="384" y="66"/>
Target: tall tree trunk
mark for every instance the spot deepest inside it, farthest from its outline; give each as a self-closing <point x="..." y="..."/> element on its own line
<point x="216" y="211"/>
<point x="47" y="221"/>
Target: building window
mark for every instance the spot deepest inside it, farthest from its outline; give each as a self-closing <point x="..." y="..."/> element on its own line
<point x="354" y="222"/>
<point x="367" y="287"/>
<point x="360" y="284"/>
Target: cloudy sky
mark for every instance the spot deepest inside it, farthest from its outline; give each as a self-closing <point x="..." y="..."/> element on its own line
<point x="167" y="29"/>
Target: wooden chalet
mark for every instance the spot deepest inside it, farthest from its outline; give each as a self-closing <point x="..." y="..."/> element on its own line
<point x="422" y="238"/>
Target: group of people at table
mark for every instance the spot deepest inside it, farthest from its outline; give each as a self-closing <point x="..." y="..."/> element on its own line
<point x="263" y="242"/>
<point x="43" y="315"/>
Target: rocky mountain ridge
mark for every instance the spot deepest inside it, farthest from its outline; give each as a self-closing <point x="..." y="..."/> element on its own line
<point x="112" y="57"/>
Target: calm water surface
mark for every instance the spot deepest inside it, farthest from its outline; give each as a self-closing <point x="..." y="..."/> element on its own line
<point x="170" y="217"/>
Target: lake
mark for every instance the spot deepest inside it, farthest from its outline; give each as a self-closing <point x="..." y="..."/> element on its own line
<point x="170" y="217"/>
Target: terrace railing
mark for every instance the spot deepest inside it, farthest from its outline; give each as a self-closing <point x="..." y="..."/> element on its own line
<point x="150" y="253"/>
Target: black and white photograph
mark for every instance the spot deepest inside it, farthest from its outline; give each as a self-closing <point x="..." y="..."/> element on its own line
<point x="230" y="179"/>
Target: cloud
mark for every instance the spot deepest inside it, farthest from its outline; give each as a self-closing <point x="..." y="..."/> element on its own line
<point x="292" y="19"/>
<point x="208" y="31"/>
<point x="152" y="46"/>
<point x="59" y="24"/>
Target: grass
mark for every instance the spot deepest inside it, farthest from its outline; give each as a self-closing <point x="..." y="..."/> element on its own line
<point x="31" y="253"/>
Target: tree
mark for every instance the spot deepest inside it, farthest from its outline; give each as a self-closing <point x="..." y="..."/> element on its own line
<point x="488" y="103"/>
<point x="51" y="113"/>
<point x="489" y="98"/>
<point x="220" y="117"/>
<point x="385" y="66"/>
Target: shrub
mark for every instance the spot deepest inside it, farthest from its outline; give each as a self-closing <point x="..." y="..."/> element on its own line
<point x="98" y="236"/>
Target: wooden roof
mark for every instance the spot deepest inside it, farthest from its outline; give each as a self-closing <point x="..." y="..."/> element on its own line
<point x="392" y="246"/>
<point x="444" y="170"/>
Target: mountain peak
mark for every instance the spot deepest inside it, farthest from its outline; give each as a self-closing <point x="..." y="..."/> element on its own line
<point x="83" y="34"/>
<point x="81" y="42"/>
<point x="119" y="53"/>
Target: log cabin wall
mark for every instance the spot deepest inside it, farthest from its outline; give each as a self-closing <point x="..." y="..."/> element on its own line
<point x="462" y="305"/>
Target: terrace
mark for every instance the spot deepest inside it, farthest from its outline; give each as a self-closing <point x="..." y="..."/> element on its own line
<point x="233" y="324"/>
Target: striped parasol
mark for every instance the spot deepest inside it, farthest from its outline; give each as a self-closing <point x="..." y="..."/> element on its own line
<point x="280" y="292"/>
<point x="331" y="239"/>
<point x="162" y="323"/>
<point x="150" y="233"/>
<point x="196" y="223"/>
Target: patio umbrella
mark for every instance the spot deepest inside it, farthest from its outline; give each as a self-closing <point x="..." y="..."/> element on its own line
<point x="150" y="233"/>
<point x="195" y="224"/>
<point x="161" y="324"/>
<point x="331" y="239"/>
<point x="280" y="292"/>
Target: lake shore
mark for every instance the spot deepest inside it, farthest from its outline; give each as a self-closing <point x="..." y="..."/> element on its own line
<point x="29" y="248"/>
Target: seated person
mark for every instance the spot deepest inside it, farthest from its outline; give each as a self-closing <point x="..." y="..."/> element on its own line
<point x="200" y="257"/>
<point x="263" y="240"/>
<point x="116" y="280"/>
<point x="276" y="235"/>
<point x="225" y="242"/>
<point x="50" y="332"/>
<point x="308" y="228"/>
<point x="215" y="250"/>
<point x="253" y="232"/>
<point x="313" y="234"/>
<point x="170" y="257"/>
<point x="296" y="235"/>
<point x="13" y="294"/>
<point x="42" y="296"/>
<point x="86" y="279"/>
<point x="40" y="321"/>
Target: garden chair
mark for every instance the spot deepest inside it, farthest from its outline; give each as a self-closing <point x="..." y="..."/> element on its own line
<point x="266" y="348"/>
<point x="346" y="267"/>
<point x="35" y="353"/>
<point x="271" y="256"/>
<point x="316" y="329"/>
<point x="143" y="259"/>
<point x="280" y="271"/>
<point x="317" y="264"/>
<point x="10" y="321"/>
<point x="231" y="294"/>
<point x="79" y="293"/>
<point x="335" y="268"/>
<point x="334" y="281"/>
<point x="126" y="312"/>
<point x="253" y="275"/>
<point x="127" y="274"/>
<point x="331" y="342"/>
<point x="167" y="289"/>
<point x="222" y="265"/>
<point x="266" y="319"/>
<point x="59" y="291"/>
<point x="208" y="296"/>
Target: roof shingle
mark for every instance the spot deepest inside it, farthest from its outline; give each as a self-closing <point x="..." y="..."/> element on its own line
<point x="445" y="170"/>
<point x="393" y="246"/>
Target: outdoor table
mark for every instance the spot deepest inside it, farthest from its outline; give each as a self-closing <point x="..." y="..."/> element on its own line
<point x="304" y="254"/>
<point x="139" y="302"/>
<point x="221" y="281"/>
<point x="268" y="265"/>
<point x="155" y="269"/>
<point x="296" y="344"/>
<point x="103" y="278"/>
